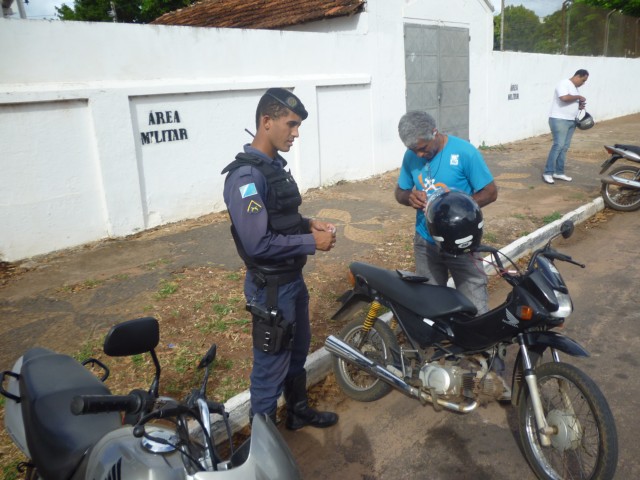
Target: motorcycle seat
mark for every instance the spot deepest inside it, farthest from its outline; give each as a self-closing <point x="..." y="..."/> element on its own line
<point x="56" y="438"/>
<point x="633" y="148"/>
<point x="429" y="301"/>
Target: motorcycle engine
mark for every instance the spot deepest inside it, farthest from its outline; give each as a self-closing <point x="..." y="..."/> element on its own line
<point x="444" y="380"/>
<point x="451" y="380"/>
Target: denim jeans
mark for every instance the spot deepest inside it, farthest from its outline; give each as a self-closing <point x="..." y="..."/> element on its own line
<point x="466" y="270"/>
<point x="562" y="131"/>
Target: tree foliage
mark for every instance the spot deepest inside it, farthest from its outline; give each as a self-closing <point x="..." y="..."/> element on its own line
<point x="521" y="29"/>
<point x="576" y="29"/>
<point x="627" y="7"/>
<point x="123" y="11"/>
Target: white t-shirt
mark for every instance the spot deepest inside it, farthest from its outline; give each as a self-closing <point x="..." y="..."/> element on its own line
<point x="564" y="110"/>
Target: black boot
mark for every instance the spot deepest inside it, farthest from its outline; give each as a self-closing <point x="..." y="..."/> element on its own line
<point x="299" y="414"/>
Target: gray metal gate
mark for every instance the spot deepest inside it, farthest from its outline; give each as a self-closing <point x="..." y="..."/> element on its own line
<point x="437" y="73"/>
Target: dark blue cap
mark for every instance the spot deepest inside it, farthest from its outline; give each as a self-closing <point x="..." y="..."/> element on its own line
<point x="289" y="100"/>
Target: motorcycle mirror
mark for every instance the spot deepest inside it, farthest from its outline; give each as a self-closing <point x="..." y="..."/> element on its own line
<point x="132" y="337"/>
<point x="566" y="229"/>
<point x="208" y="358"/>
<point x="206" y="361"/>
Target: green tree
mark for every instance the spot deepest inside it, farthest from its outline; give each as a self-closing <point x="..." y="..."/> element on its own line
<point x="126" y="11"/>
<point x="588" y="33"/>
<point x="627" y="7"/>
<point x="619" y="32"/>
<point x="577" y="30"/>
<point x="152" y="9"/>
<point x="552" y="39"/>
<point x="521" y="29"/>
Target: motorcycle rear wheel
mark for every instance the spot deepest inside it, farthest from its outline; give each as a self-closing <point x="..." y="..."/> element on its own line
<point x="625" y="199"/>
<point x="586" y="443"/>
<point x="376" y="346"/>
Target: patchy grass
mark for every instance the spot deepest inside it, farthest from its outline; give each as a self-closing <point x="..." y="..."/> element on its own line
<point x="551" y="218"/>
<point x="167" y="288"/>
<point x="496" y="148"/>
<point x="10" y="470"/>
<point x="86" y="285"/>
<point x="490" y="237"/>
<point x="157" y="263"/>
<point x="89" y="349"/>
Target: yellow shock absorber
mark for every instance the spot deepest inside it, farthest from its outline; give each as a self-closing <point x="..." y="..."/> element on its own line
<point x="393" y="323"/>
<point x="371" y="316"/>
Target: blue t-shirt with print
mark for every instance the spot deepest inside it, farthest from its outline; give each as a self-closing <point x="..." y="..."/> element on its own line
<point x="458" y="166"/>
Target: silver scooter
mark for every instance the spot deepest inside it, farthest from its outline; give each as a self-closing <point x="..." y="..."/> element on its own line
<point x="67" y="422"/>
<point x="621" y="187"/>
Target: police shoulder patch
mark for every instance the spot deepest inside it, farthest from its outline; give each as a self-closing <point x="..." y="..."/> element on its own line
<point x="248" y="190"/>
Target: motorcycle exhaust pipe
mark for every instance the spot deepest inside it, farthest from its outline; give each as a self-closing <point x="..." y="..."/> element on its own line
<point x="349" y="354"/>
<point x="621" y="182"/>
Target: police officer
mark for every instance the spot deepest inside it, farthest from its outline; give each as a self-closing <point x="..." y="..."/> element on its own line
<point x="274" y="240"/>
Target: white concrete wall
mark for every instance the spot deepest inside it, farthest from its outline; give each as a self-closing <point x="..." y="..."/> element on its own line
<point x="76" y="100"/>
<point x="83" y="108"/>
<point x="521" y="89"/>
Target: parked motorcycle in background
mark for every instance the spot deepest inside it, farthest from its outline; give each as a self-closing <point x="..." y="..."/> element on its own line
<point x="621" y="187"/>
<point x="435" y="350"/>
<point x="67" y="422"/>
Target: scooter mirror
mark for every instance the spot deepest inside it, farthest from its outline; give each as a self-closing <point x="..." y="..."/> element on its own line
<point x="132" y="337"/>
<point x="209" y="357"/>
<point x="566" y="229"/>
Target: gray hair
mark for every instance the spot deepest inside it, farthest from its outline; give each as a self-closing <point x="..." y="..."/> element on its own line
<point x="414" y="126"/>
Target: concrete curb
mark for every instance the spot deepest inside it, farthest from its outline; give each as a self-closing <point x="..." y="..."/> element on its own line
<point x="319" y="362"/>
<point x="528" y="244"/>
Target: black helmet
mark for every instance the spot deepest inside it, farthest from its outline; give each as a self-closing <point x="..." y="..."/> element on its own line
<point x="585" y="122"/>
<point x="454" y="221"/>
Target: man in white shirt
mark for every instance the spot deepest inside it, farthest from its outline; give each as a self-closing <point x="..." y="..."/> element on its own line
<point x="567" y="102"/>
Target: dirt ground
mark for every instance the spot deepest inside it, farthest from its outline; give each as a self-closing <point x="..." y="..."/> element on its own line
<point x="189" y="277"/>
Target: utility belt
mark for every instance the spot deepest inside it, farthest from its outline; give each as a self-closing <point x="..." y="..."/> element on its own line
<point x="271" y="332"/>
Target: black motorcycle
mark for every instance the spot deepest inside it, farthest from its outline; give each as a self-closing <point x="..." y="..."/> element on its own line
<point x="435" y="349"/>
<point x="621" y="187"/>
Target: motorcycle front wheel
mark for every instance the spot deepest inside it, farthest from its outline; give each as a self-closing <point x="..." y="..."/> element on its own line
<point x="626" y="199"/>
<point x="585" y="442"/>
<point x="375" y="345"/>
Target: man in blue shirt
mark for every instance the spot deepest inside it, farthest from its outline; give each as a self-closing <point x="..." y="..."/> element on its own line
<point x="435" y="161"/>
<point x="273" y="240"/>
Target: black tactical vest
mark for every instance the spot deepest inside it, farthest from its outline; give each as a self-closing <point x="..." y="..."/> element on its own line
<point x="282" y="201"/>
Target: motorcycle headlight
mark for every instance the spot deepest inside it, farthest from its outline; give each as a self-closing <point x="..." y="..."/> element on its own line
<point x="566" y="305"/>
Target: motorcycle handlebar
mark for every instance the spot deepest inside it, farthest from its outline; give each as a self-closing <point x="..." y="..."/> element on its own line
<point x="85" y="404"/>
<point x="562" y="257"/>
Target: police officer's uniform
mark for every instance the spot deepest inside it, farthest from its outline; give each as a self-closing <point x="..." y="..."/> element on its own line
<point x="274" y="240"/>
